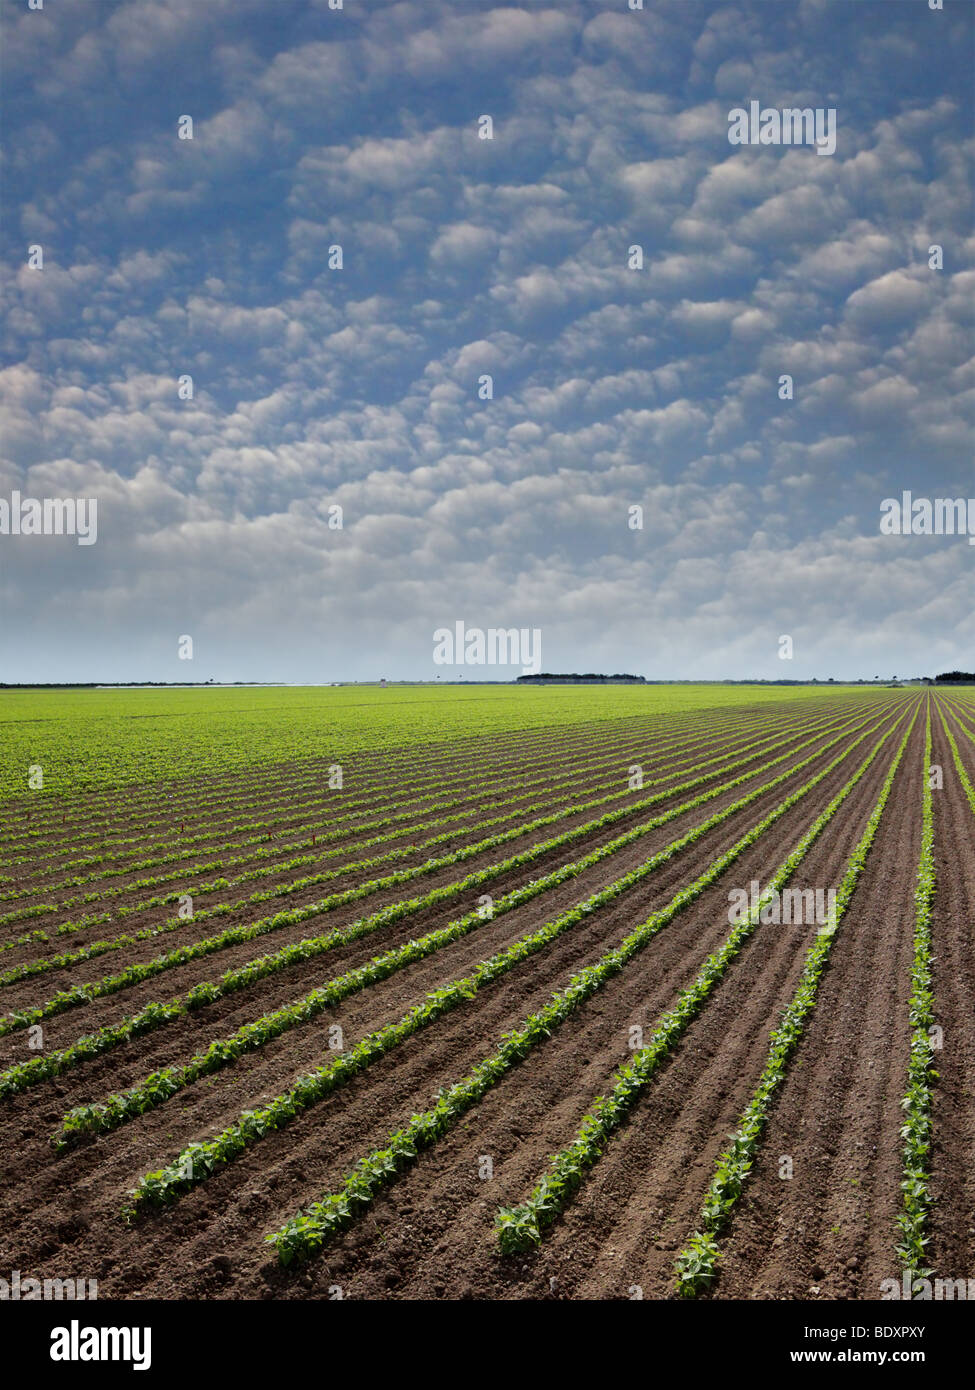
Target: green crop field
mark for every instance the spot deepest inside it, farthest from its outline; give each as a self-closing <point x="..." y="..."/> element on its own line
<point x="102" y="738"/>
<point x="477" y="988"/>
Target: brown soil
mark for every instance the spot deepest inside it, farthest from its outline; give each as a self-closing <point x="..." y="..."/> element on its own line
<point x="602" y="766"/>
<point x="63" y="1028"/>
<point x="430" y="1235"/>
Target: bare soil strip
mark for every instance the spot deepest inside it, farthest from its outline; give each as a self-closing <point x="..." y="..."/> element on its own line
<point x="952" y="1225"/>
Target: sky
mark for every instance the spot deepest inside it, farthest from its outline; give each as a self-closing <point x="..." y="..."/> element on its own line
<point x="505" y="503"/>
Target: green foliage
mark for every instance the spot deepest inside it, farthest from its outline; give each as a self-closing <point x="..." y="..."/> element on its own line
<point x="921" y="1075"/>
<point x="28" y="1073"/>
<point x="88" y="739"/>
<point x="695" y="1266"/>
<point x="123" y="1106"/>
<point x="295" y="885"/>
<point x="309" y="1230"/>
<point x="523" y="1225"/>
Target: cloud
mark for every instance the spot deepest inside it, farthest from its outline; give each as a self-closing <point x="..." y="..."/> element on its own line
<point x="315" y="386"/>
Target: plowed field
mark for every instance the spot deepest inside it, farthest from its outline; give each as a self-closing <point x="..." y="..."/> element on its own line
<point x="256" y="1004"/>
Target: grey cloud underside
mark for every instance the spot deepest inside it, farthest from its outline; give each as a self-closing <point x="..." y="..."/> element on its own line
<point x="463" y="257"/>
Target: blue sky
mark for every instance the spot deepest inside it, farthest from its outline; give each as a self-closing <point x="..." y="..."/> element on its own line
<point x="358" y="387"/>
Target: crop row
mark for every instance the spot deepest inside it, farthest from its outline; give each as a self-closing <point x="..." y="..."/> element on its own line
<point x="97" y="739"/>
<point x="156" y="1015"/>
<point x="203" y="807"/>
<point x="956" y="710"/>
<point x="406" y="793"/>
<point x="916" y="1129"/>
<point x="521" y="1227"/>
<point x="962" y="711"/>
<point x="307" y="1231"/>
<point x="435" y="785"/>
<point x="423" y="780"/>
<point x="315" y="832"/>
<point x="160" y="1085"/>
<point x="963" y="776"/>
<point x="300" y="861"/>
<point x="101" y="808"/>
<point x="696" y="1265"/>
<point x="136" y="973"/>
<point x="116" y="804"/>
<point x="551" y="789"/>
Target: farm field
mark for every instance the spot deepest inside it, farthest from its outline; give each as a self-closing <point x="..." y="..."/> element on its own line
<point x="439" y="994"/>
<point x="89" y="739"/>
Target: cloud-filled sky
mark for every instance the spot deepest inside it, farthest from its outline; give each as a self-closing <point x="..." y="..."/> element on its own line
<point x="462" y="257"/>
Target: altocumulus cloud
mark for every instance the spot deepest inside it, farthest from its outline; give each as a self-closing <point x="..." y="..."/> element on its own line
<point x="520" y="340"/>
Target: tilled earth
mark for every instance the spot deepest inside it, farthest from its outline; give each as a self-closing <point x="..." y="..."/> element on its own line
<point x="821" y="1224"/>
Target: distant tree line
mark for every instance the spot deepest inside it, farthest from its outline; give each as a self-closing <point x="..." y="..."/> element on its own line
<point x="967" y="677"/>
<point x="585" y="678"/>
